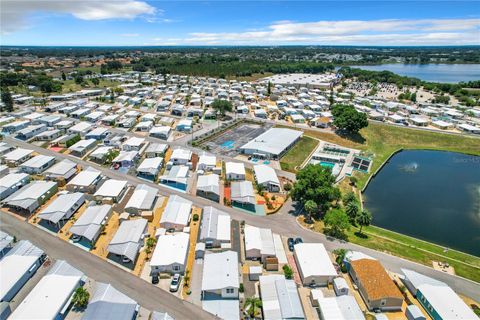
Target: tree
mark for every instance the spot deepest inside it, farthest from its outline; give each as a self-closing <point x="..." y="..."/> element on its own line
<point x="349" y="197"/>
<point x="221" y="106"/>
<point x="78" y="79"/>
<point x="348" y="119"/>
<point x="315" y="183"/>
<point x="7" y="100"/>
<point x="64" y="76"/>
<point x="364" y="219"/>
<point x="269" y="88"/>
<point x="287" y="271"/>
<point x="95" y="81"/>
<point x="352" y="210"/>
<point x="80" y="298"/>
<point x="337" y="222"/>
<point x="311" y="207"/>
<point x="252" y="306"/>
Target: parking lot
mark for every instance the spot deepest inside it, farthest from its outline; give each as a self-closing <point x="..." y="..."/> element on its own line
<point x="228" y="142"/>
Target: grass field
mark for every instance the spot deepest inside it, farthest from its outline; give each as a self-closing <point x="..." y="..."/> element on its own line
<point x="380" y="141"/>
<point x="465" y="265"/>
<point x="71" y="86"/>
<point x="297" y="155"/>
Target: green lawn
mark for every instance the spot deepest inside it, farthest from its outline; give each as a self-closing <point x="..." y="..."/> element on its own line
<point x="297" y="155"/>
<point x="416" y="250"/>
<point x="380" y="141"/>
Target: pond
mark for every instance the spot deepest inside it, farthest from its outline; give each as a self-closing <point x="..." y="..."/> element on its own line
<point x="430" y="195"/>
<point x="448" y="73"/>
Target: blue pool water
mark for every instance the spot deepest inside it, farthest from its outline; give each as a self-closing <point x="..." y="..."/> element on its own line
<point x="327" y="164"/>
<point x="229" y="144"/>
<point x="266" y="162"/>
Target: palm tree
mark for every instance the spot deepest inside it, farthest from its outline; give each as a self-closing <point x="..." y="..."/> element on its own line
<point x="364" y="219"/>
<point x="310" y="207"/>
<point x="80" y="298"/>
<point x="253" y="305"/>
<point x="352" y="210"/>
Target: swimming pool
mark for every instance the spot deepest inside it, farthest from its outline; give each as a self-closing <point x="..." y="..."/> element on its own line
<point x="327" y="164"/>
<point x="229" y="144"/>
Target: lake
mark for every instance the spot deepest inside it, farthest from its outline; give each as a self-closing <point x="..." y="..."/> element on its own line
<point x="430" y="195"/>
<point x="449" y="73"/>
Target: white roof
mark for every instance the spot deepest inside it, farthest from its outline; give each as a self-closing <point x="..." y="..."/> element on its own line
<point x="127" y="240"/>
<point x="50" y="295"/>
<point x="32" y="191"/>
<point x="259" y="239"/>
<point x="235" y="168"/>
<point x="274" y="141"/>
<point x="82" y="144"/>
<point x="91" y="221"/>
<point x="37" y="161"/>
<point x="85" y="177"/>
<point x="11" y="179"/>
<point x="61" y="167"/>
<point x="17" y="154"/>
<point x="111" y="188"/>
<point x="109" y="304"/>
<point x="149" y="164"/>
<point x="181" y="154"/>
<point x="160" y="130"/>
<point x="220" y="270"/>
<point x="177" y="211"/>
<point x="170" y="249"/>
<point x="81" y="127"/>
<point x="126" y="156"/>
<point x="97" y="131"/>
<point x="441" y="297"/>
<point x="340" y="308"/>
<point x="215" y="225"/>
<point x="265" y="174"/>
<point x="209" y="183"/>
<point x="227" y="309"/>
<point x="280" y="299"/>
<point x="143" y="198"/>
<point x="134" y="141"/>
<point x="101" y="151"/>
<point x="313" y="260"/>
<point x="57" y="209"/>
<point x="207" y="159"/>
<point x="16" y="264"/>
<point x="242" y="191"/>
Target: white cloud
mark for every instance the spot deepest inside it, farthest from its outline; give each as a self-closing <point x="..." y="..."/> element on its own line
<point x="376" y="32"/>
<point x="15" y="13"/>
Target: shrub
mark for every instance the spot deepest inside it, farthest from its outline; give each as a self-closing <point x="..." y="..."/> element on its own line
<point x="195" y="217"/>
<point x="287" y="271"/>
<point x="241" y="288"/>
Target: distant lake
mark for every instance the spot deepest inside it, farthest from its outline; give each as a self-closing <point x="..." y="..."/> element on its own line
<point x="448" y="73"/>
<point x="430" y="195"/>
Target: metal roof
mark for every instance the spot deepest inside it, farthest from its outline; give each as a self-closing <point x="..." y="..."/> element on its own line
<point x="209" y="183"/>
<point x="242" y="191"/>
<point x="61" y="168"/>
<point x="59" y="207"/>
<point x="109" y="304"/>
<point x="215" y="225"/>
<point x="143" y="198"/>
<point x="177" y="211"/>
<point x="171" y="248"/>
<point x="220" y="270"/>
<point x="37" y="161"/>
<point x="30" y="193"/>
<point x="280" y="299"/>
<point x="274" y="141"/>
<point x="128" y="238"/>
<point x="111" y="188"/>
<point x="90" y="221"/>
<point x="85" y="177"/>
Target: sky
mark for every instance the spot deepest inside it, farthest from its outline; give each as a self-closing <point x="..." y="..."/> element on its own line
<point x="245" y="22"/>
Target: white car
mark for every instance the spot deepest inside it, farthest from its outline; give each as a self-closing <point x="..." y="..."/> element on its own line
<point x="175" y="284"/>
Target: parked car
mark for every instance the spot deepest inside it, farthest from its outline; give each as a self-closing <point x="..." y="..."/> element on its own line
<point x="290" y="242"/>
<point x="298" y="240"/>
<point x="155" y="279"/>
<point x="175" y="284"/>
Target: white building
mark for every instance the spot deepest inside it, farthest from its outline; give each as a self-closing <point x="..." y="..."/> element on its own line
<point x="234" y="171"/>
<point x="259" y="243"/>
<point x="111" y="190"/>
<point x="62" y="208"/>
<point x="272" y="144"/>
<point x="37" y="164"/>
<point x="11" y="183"/>
<point x="220" y="277"/>
<point x="89" y="225"/>
<point x="20" y="264"/>
<point x="176" y="214"/>
<point x="267" y="177"/>
<point x="49" y="298"/>
<point x="143" y="199"/>
<point x="171" y="252"/>
<point x="339" y="308"/>
<point x="215" y="229"/>
<point x="129" y="238"/>
<point x="85" y="181"/>
<point x="314" y="264"/>
<point x="280" y="299"/>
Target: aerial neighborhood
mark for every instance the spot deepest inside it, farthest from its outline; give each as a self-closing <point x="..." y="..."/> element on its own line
<point x="185" y="183"/>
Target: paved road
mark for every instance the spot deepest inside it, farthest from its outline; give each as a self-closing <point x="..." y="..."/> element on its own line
<point x="284" y="223"/>
<point x="145" y="294"/>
